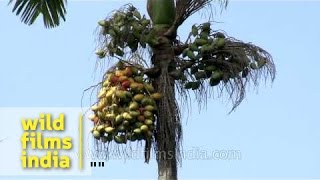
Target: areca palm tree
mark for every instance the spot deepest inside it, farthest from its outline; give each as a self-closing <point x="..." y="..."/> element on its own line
<point x="208" y="62"/>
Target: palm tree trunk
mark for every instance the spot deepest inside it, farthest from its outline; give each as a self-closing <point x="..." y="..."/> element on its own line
<point x="166" y="142"/>
<point x="167" y="171"/>
<point x="163" y="58"/>
<point x="168" y="129"/>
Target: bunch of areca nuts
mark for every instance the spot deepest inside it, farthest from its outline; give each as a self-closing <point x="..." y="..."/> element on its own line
<point x="125" y="28"/>
<point x="126" y="107"/>
<point x="201" y="54"/>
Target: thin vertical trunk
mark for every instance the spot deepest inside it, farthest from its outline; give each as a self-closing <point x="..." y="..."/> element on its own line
<point x="168" y="172"/>
<point x="168" y="129"/>
<point x="163" y="57"/>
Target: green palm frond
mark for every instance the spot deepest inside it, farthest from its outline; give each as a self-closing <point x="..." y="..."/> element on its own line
<point x="186" y="8"/>
<point x="51" y="10"/>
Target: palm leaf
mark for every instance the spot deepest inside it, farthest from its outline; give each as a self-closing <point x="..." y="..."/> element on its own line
<point x="185" y="8"/>
<point x="29" y="10"/>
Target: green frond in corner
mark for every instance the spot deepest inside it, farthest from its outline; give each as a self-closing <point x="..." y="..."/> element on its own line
<point x="29" y="10"/>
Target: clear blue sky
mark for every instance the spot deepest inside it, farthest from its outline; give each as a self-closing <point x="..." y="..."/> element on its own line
<point x="276" y="130"/>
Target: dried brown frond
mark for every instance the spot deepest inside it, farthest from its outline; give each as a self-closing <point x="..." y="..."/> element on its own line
<point x="168" y="121"/>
